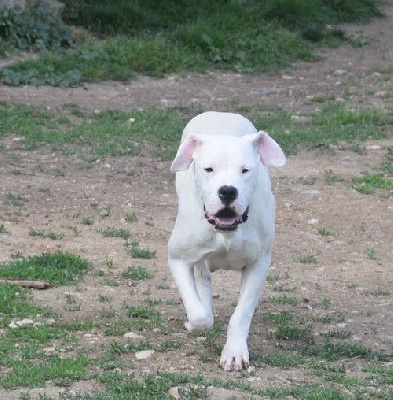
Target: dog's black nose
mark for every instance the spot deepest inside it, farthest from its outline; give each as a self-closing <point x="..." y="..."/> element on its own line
<point x="227" y="194"/>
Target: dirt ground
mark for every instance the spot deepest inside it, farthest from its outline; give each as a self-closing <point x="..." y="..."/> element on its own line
<point x="344" y="273"/>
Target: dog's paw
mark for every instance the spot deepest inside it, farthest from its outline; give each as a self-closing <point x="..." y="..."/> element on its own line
<point x="235" y="357"/>
<point x="199" y="325"/>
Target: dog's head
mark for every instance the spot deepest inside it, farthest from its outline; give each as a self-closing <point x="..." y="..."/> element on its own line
<point x="225" y="170"/>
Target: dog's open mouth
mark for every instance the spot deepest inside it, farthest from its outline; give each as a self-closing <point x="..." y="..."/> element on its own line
<point x="226" y="219"/>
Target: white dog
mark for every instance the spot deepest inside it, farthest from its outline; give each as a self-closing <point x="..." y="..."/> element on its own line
<point x="225" y="220"/>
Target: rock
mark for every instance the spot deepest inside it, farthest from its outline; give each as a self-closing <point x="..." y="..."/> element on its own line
<point x="174" y="393"/>
<point x="300" y="118"/>
<point x="340" y="72"/>
<point x="133" y="335"/>
<point x="144" y="354"/>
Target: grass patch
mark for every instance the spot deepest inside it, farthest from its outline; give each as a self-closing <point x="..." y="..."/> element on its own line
<point x="15" y="302"/>
<point x="36" y="374"/>
<point x="58" y="268"/>
<point x="138" y="252"/>
<point x="113" y="232"/>
<point x="45" y="234"/>
<point x="109" y="133"/>
<point x="135" y="273"/>
<point x="156" y="39"/>
<point x="369" y="183"/>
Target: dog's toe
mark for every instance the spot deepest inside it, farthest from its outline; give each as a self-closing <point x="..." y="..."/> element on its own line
<point x="234" y="358"/>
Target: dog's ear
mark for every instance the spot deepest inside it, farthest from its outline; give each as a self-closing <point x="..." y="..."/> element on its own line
<point x="184" y="155"/>
<point x="267" y="148"/>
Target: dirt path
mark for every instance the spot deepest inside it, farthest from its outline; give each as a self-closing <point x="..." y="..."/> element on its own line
<point x="354" y="265"/>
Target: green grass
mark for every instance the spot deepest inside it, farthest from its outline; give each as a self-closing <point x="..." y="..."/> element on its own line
<point x="58" y="268"/>
<point x="45" y="234"/>
<point x="135" y="273"/>
<point x="159" y="38"/>
<point x="114" y="232"/>
<point x="109" y="133"/>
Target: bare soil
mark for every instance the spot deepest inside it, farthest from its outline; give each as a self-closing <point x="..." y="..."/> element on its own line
<point x="344" y="272"/>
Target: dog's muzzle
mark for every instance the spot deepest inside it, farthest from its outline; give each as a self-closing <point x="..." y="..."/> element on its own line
<point x="226" y="219"/>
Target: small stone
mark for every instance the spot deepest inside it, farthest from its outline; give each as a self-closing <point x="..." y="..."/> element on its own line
<point x="300" y="118"/>
<point x="96" y="112"/>
<point x="313" y="221"/>
<point x="131" y="121"/>
<point x="373" y="147"/>
<point x="13" y="325"/>
<point x="174" y="392"/>
<point x="133" y="335"/>
<point x="25" y="322"/>
<point x="340" y="72"/>
<point x="144" y="354"/>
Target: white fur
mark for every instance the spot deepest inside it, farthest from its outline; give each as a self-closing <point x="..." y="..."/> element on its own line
<point x="223" y="149"/>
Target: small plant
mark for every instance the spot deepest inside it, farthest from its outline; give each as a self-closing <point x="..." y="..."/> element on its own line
<point x="45" y="234"/>
<point x="136" y="273"/>
<point x="371" y="253"/>
<point x="137" y="252"/>
<point x="2" y="228"/>
<point x="87" y="221"/>
<point x="16" y="200"/>
<point x="331" y="178"/>
<point x="131" y="217"/>
<point x="35" y="28"/>
<point x="113" y="232"/>
<point x="324" y="232"/>
<point x="308" y="260"/>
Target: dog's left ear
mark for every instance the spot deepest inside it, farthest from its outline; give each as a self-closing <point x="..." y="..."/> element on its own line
<point x="267" y="148"/>
<point x="185" y="153"/>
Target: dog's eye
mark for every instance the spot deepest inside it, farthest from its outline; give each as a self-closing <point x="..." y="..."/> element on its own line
<point x="245" y="170"/>
<point x="209" y="169"/>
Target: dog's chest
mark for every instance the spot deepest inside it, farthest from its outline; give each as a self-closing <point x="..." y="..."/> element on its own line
<point x="232" y="253"/>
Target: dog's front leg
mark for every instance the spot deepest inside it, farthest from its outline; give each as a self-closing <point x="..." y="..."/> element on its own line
<point x="235" y="355"/>
<point x="199" y="313"/>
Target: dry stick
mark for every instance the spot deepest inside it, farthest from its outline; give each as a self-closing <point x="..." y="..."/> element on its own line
<point x="30" y="284"/>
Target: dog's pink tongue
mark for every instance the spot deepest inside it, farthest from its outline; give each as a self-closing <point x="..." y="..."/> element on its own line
<point x="227" y="221"/>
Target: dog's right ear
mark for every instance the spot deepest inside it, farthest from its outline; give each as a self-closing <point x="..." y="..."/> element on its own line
<point x="185" y="153"/>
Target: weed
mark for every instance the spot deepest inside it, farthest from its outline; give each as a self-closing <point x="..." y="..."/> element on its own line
<point x="2" y="228"/>
<point x="45" y="234"/>
<point x="369" y="183"/>
<point x="325" y="303"/>
<point x="110" y="282"/>
<point x="337" y="334"/>
<point x="87" y="221"/>
<point x="136" y="273"/>
<point x="113" y="232"/>
<point x="324" y="232"/>
<point x="308" y="260"/>
<point x="290" y="332"/>
<point x="281" y="300"/>
<point x="371" y="253"/>
<point x="104" y="298"/>
<point x="131" y="217"/>
<point x="378" y="293"/>
<point x="16" y="200"/>
<point x="137" y="252"/>
<point x="331" y="178"/>
<point x="35" y="27"/>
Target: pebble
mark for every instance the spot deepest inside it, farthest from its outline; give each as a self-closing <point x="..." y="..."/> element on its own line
<point x="133" y="335"/>
<point x="144" y="354"/>
<point x="340" y="72"/>
<point x="131" y="120"/>
<point x="21" y="323"/>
